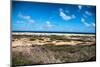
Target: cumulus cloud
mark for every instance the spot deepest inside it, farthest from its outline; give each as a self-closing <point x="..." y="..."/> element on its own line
<point x="80" y="7"/>
<point x="65" y="16"/>
<point x="84" y="22"/>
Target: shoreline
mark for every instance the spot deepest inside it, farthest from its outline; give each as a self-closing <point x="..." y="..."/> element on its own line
<point x="33" y="33"/>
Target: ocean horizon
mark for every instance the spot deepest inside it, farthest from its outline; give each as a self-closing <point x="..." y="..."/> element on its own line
<point x="53" y="32"/>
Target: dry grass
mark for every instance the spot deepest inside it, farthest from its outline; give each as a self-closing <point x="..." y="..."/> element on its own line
<point x="27" y="40"/>
<point x="52" y="54"/>
<point x="35" y="49"/>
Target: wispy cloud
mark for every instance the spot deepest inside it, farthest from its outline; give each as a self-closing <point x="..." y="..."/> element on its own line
<point x="27" y="18"/>
<point x="80" y="7"/>
<point x="48" y="24"/>
<point x="23" y="16"/>
<point x="65" y="16"/>
<point x="84" y="22"/>
<point x="85" y="16"/>
<point x="31" y="21"/>
<point x="91" y="25"/>
<point x="88" y="13"/>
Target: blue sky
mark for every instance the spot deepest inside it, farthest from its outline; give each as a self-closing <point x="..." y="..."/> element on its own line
<point x="33" y="16"/>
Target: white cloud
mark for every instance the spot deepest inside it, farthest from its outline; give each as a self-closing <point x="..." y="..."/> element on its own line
<point x="87" y="24"/>
<point x="26" y="17"/>
<point x="31" y="21"/>
<point x="84" y="22"/>
<point x="62" y="10"/>
<point x="88" y="13"/>
<point x="80" y="7"/>
<point x="48" y="24"/>
<point x="65" y="16"/>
